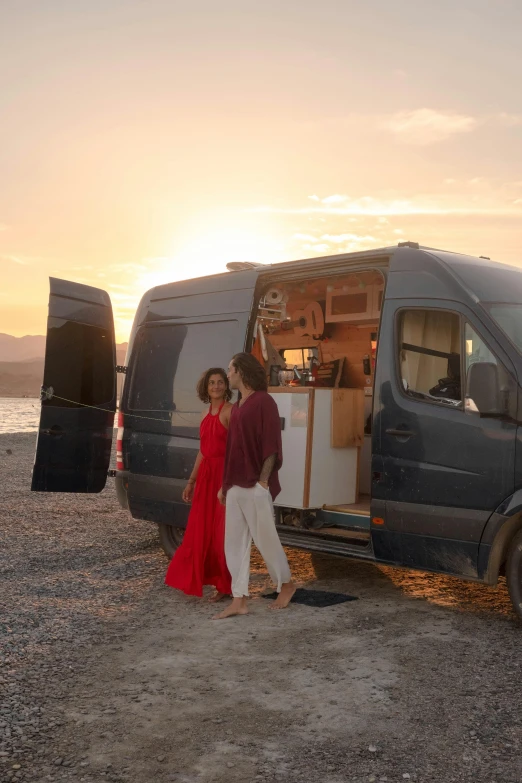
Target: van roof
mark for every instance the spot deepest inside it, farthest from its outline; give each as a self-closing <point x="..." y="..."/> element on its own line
<point x="477" y="273"/>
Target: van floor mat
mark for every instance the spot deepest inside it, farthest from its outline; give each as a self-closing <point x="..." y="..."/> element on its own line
<point x="316" y="598"/>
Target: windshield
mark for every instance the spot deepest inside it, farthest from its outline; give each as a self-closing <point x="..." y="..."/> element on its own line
<point x="509" y="318"/>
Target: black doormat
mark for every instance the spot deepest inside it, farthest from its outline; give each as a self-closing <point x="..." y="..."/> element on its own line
<point x="317" y="598"/>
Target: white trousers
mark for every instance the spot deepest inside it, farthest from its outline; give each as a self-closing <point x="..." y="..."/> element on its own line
<point x="250" y="515"/>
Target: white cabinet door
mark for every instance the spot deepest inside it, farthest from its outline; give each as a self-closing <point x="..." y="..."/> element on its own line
<point x="333" y="475"/>
<point x="294" y="409"/>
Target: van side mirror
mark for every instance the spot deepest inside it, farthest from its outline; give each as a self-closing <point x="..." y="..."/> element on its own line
<point x="483" y="389"/>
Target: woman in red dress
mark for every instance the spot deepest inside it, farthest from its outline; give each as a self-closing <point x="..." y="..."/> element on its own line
<point x="200" y="560"/>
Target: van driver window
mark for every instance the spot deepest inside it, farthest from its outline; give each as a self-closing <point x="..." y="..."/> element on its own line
<point x="429" y="356"/>
<point x="476" y="349"/>
<point x="477" y="352"/>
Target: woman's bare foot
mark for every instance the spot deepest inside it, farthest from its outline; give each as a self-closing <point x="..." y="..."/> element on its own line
<point x="217" y="596"/>
<point x="237" y="607"/>
<point x="285" y="596"/>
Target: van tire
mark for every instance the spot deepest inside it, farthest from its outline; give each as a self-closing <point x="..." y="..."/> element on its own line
<point x="170" y="538"/>
<point x="514" y="573"/>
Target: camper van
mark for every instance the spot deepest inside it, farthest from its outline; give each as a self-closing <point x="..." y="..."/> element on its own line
<point x="398" y="377"/>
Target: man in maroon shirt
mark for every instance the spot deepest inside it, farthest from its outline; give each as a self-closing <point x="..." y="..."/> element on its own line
<point x="250" y="484"/>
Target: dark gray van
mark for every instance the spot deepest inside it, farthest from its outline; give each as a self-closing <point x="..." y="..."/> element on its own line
<point x="402" y="439"/>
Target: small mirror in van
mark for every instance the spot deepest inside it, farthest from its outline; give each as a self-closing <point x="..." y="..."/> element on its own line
<point x="482" y="393"/>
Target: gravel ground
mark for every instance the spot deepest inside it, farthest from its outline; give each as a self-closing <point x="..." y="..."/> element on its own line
<point x="108" y="675"/>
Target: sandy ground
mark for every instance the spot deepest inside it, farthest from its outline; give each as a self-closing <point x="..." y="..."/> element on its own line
<point x="109" y="675"/>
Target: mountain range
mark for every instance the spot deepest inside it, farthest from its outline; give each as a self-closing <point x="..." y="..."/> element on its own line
<point x="22" y="364"/>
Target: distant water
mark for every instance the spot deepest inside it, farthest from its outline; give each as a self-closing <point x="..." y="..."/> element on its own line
<point x="19" y="415"/>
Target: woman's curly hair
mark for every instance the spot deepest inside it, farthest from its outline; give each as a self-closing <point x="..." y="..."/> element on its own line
<point x="202" y="387"/>
<point x="252" y="372"/>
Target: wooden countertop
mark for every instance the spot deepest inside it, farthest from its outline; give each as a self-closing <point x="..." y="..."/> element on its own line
<point x="290" y="389"/>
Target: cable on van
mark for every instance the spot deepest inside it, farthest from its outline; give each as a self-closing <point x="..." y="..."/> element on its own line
<point x="106" y="410"/>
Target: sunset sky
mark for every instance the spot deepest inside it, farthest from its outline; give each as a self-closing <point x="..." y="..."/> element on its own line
<point x="144" y="141"/>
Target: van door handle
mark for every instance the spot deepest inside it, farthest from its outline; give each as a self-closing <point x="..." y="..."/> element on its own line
<point x="54" y="430"/>
<point x="400" y="433"/>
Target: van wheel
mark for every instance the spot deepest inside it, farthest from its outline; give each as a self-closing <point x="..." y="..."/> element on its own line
<point x="514" y="573"/>
<point x="170" y="538"/>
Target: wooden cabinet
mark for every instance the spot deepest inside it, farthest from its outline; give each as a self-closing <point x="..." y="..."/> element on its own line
<point x="323" y="430"/>
<point x="354" y="305"/>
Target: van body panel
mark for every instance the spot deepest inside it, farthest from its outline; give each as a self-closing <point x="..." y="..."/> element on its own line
<point x="416" y="273"/>
<point x="511" y="505"/>
<point x="79" y="391"/>
<point x="489" y="282"/>
<point x="427" y="553"/>
<point x="157" y="499"/>
<point x="203" y="305"/>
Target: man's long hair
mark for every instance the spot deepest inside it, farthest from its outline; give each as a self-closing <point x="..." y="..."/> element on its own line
<point x="252" y="372"/>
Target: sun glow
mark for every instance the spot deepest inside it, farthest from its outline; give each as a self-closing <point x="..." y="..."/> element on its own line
<point x="205" y="254"/>
<point x="209" y="254"/>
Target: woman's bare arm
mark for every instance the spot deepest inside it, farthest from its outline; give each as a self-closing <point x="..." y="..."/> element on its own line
<point x="224" y="416"/>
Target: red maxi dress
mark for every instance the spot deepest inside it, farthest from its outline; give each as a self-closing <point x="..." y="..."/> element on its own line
<point x="200" y="560"/>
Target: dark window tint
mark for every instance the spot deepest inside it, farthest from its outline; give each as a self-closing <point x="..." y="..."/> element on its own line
<point x="171" y="359"/>
<point x="495" y="390"/>
<point x="79" y="363"/>
<point x="509" y="318"/>
<point x="429" y="355"/>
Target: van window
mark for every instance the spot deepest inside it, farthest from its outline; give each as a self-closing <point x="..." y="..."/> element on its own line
<point x="300" y="357"/>
<point x="87" y="375"/>
<point x="509" y="318"/>
<point x="429" y="355"/>
<point x="169" y="361"/>
<point x="477" y="351"/>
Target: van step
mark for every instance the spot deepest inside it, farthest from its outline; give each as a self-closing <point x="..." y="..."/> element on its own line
<point x="350" y="520"/>
<point x="319" y="541"/>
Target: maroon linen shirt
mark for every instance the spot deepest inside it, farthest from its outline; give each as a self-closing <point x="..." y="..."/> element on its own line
<point x="254" y="433"/>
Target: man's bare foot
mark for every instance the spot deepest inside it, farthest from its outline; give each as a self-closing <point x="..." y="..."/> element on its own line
<point x="237" y="607"/>
<point x="217" y="596"/>
<point x="285" y="596"/>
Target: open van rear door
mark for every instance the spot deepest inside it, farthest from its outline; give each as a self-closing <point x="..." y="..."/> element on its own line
<point x="74" y="439"/>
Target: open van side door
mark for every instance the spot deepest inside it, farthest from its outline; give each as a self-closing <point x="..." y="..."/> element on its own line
<point x="74" y="438"/>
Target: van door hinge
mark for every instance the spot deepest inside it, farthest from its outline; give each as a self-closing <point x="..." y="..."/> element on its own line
<point x="121" y="368"/>
<point x="111" y="473"/>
